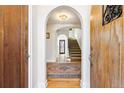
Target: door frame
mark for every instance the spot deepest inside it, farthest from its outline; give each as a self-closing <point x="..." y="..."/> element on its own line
<point x="85" y="51"/>
<point x="60" y="46"/>
<point x="39" y="28"/>
<point x="30" y="46"/>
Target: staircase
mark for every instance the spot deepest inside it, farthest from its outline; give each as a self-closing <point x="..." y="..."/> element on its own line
<point x="63" y="83"/>
<point x="74" y="50"/>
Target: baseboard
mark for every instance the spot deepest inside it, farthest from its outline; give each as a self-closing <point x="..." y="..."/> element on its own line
<point x="43" y="84"/>
<point x="49" y="61"/>
<point x="46" y="83"/>
<point x="81" y="83"/>
<point x="35" y="86"/>
<point x="84" y="85"/>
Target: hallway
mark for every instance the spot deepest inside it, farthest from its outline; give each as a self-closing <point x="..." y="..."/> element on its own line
<point x="63" y="53"/>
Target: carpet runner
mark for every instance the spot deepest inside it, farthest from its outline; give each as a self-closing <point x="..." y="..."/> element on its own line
<point x="63" y="70"/>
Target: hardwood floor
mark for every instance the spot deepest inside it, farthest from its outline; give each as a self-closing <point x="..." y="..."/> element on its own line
<point x="63" y="83"/>
<point x="63" y="75"/>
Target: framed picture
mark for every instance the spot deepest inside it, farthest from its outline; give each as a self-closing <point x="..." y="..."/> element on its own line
<point x="47" y="35"/>
<point x="61" y="46"/>
<point x="110" y="13"/>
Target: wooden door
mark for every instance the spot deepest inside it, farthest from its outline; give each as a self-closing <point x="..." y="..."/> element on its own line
<point x="13" y="46"/>
<point x="107" y="45"/>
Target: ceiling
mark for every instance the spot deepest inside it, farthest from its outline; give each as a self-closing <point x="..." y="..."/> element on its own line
<point x="72" y="17"/>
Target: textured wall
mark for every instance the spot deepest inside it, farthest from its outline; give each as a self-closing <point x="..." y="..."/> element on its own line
<point x="107" y="51"/>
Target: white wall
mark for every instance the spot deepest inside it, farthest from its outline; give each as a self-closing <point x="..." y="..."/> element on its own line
<point x="40" y="14"/>
<point x="34" y="50"/>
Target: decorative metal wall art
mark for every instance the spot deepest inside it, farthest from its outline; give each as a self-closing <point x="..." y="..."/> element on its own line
<point x="110" y="13"/>
<point x="47" y="35"/>
<point x="61" y="46"/>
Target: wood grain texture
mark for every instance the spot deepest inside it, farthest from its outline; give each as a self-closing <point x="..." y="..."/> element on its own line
<point x="122" y="53"/>
<point x="13" y="45"/>
<point x="12" y="59"/>
<point x="1" y="47"/>
<point x="63" y="83"/>
<point x="24" y="46"/>
<point x="106" y="51"/>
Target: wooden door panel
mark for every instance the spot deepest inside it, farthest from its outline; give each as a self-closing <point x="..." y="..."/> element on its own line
<point x="1" y="46"/>
<point x="106" y="51"/>
<point x="24" y="48"/>
<point x="122" y="53"/>
<point x="14" y="46"/>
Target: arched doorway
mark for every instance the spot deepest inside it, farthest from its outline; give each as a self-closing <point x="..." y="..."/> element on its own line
<point x="61" y="20"/>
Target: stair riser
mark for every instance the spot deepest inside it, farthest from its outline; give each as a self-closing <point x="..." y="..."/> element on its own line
<point x="75" y="55"/>
<point x="75" y="48"/>
<point x="75" y="52"/>
<point x="76" y="60"/>
<point x="72" y="54"/>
